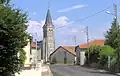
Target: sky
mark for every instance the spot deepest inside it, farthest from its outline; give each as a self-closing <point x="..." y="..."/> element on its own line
<point x="74" y="15"/>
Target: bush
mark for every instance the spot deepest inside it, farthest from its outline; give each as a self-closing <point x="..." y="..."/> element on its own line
<point x="99" y="54"/>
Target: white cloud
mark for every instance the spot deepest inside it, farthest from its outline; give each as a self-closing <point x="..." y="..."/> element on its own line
<point x="35" y="29"/>
<point x="72" y="8"/>
<point x="62" y="21"/>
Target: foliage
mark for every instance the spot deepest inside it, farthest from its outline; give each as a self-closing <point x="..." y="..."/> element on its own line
<point x="13" y="38"/>
<point x="104" y="53"/>
<point x="113" y="39"/>
<point x="112" y="35"/>
<point x="99" y="54"/>
<point x="107" y="51"/>
<point x="93" y="54"/>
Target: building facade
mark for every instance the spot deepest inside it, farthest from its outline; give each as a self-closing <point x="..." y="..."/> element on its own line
<point x="63" y="55"/>
<point x="28" y="54"/>
<point x="80" y="50"/>
<point x="48" y="37"/>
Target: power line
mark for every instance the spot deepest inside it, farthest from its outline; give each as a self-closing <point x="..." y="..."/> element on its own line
<point x="94" y="14"/>
<point x="80" y="20"/>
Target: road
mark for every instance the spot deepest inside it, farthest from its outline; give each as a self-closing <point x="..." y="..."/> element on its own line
<point x="65" y="70"/>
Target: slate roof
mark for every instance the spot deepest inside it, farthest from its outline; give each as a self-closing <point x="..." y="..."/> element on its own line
<point x="48" y="21"/>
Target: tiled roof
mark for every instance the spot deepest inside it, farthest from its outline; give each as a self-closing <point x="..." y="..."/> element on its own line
<point x="33" y="45"/>
<point x="70" y="49"/>
<point x="83" y="46"/>
<point x="94" y="42"/>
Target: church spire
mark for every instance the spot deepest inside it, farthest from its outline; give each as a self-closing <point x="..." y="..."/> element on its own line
<point x="48" y="21"/>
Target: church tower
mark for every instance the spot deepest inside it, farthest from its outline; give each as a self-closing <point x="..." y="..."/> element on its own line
<point x="48" y="37"/>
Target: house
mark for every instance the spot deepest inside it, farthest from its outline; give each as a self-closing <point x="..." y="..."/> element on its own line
<point x="34" y="53"/>
<point x="63" y="55"/>
<point x="80" y="50"/>
<point x="28" y="54"/>
<point x="40" y="51"/>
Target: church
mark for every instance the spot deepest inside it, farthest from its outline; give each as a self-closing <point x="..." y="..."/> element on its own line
<point x="48" y="42"/>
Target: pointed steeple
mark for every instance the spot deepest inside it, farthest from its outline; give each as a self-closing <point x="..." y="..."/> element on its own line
<point x="48" y="21"/>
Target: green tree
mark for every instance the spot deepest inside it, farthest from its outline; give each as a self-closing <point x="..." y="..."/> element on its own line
<point x="13" y="38"/>
<point x="99" y="54"/>
<point x="113" y="39"/>
<point x="104" y="53"/>
<point x="93" y="54"/>
<point x="112" y="35"/>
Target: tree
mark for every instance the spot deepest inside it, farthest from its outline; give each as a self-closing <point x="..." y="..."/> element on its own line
<point x="112" y="35"/>
<point x="104" y="53"/>
<point x="113" y="39"/>
<point x="93" y="54"/>
<point x="13" y="38"/>
<point x="99" y="54"/>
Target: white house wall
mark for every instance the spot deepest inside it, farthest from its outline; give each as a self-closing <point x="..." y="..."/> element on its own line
<point x="27" y="50"/>
<point x="60" y="54"/>
<point x="80" y="56"/>
<point x="34" y="56"/>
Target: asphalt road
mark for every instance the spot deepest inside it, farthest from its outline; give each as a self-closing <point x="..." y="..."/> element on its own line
<point x="65" y="70"/>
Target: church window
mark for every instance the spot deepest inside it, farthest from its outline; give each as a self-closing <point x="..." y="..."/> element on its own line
<point x="50" y="30"/>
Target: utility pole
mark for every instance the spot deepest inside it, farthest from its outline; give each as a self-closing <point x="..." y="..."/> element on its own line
<point x="116" y="17"/>
<point x="87" y="34"/>
<point x="75" y="40"/>
<point x="116" y="11"/>
<point x="75" y="47"/>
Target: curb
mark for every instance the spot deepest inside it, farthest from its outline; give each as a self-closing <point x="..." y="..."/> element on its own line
<point x="46" y="70"/>
<point x="50" y="72"/>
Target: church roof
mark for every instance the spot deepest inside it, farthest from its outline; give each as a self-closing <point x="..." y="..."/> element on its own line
<point x="48" y="21"/>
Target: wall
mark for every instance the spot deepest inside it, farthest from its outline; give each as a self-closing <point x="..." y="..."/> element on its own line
<point x="27" y="50"/>
<point x="80" y="53"/>
<point x="34" y="55"/>
<point x="60" y="54"/>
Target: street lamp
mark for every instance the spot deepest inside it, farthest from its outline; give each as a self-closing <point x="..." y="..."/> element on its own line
<point x="108" y="12"/>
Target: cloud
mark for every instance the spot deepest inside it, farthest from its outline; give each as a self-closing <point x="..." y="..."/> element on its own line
<point x="72" y="8"/>
<point x="62" y="21"/>
<point x="35" y="29"/>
